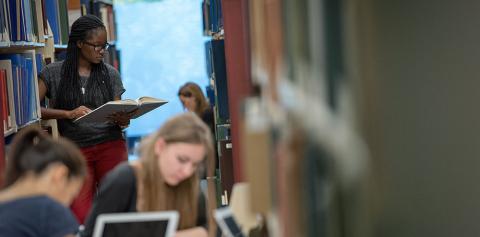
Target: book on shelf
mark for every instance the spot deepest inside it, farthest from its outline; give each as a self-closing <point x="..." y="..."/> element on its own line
<point x="22" y="73"/>
<point x="2" y="151"/>
<point x="22" y="21"/>
<point x="8" y="95"/>
<point x="143" y="105"/>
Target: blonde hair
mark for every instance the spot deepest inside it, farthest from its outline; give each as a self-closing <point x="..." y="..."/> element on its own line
<point x="196" y="92"/>
<point x="157" y="195"/>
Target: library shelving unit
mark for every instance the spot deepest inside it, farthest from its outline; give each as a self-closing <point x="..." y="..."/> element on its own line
<point x="333" y="78"/>
<point x="33" y="34"/>
<point x="291" y="143"/>
<point x="221" y="186"/>
<point x="24" y="36"/>
<point x="216" y="72"/>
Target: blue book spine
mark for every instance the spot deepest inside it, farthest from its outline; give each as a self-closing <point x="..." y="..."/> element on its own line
<point x="23" y="30"/>
<point x="51" y="9"/>
<point x="219" y="68"/>
<point x="208" y="60"/>
<point x="13" y="20"/>
<point x="28" y="22"/>
<point x="39" y="62"/>
<point x="24" y="91"/>
<point x="29" y="90"/>
<point x="16" y="92"/>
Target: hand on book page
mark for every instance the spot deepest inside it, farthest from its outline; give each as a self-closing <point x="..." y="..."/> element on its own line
<point x="78" y="112"/>
<point x="130" y="108"/>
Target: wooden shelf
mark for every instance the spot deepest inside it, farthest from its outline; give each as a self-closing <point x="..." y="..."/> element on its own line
<point x="19" y="45"/>
<point x="35" y="121"/>
<point x="60" y="47"/>
<point x="9" y="132"/>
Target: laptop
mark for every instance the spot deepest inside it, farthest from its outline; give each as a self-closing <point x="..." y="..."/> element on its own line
<point x="226" y="222"/>
<point x="138" y="224"/>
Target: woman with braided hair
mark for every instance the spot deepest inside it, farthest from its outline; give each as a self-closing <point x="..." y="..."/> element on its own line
<point x="74" y="87"/>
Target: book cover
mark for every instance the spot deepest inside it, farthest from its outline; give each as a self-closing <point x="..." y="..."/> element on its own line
<point x="63" y="21"/>
<point x="51" y="10"/>
<point x="12" y="6"/>
<point x="16" y="61"/>
<point x="144" y="105"/>
<point x="3" y="97"/>
<point x="2" y="153"/>
<point x="7" y="66"/>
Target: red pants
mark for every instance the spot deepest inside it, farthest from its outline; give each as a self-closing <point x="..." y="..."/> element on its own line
<point x="101" y="159"/>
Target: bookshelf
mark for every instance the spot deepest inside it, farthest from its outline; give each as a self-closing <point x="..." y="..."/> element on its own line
<point x="24" y="32"/>
<point x="216" y="72"/>
<point x="291" y="134"/>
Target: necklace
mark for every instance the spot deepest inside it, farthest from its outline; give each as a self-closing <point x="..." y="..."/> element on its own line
<point x="83" y="84"/>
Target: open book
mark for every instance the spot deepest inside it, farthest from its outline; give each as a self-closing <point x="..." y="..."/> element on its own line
<point x="144" y="105"/>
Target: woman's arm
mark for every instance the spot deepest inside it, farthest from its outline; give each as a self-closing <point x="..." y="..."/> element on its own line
<point x="58" y="113"/>
<point x="193" y="232"/>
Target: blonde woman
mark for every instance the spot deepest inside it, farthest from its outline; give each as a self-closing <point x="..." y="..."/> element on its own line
<point x="164" y="178"/>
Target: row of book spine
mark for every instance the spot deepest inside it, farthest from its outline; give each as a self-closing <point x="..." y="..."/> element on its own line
<point x="216" y="71"/>
<point x="32" y="20"/>
<point x="212" y="16"/>
<point x="104" y="10"/>
<point x="19" y="89"/>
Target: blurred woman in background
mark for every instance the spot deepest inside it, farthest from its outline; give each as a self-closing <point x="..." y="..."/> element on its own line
<point x="193" y="100"/>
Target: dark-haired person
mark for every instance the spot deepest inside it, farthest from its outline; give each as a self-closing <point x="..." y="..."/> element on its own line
<point x="77" y="85"/>
<point x="193" y="100"/>
<point x="42" y="178"/>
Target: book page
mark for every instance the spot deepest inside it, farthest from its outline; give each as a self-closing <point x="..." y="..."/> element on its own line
<point x="148" y="99"/>
<point x="147" y="104"/>
<point x="101" y="114"/>
<point x="123" y="102"/>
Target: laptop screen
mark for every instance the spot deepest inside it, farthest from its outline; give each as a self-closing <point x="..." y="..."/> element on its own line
<point x="162" y="224"/>
<point x="139" y="229"/>
<point x="227" y="223"/>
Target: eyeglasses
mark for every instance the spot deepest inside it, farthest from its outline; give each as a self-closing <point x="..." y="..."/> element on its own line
<point x="98" y="48"/>
<point x="187" y="94"/>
